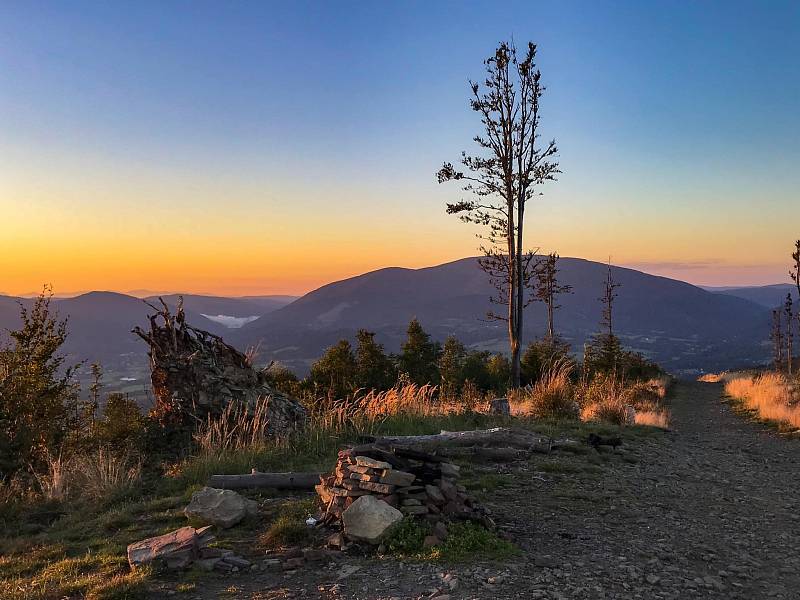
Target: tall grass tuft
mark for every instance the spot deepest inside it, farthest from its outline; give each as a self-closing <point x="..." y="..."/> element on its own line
<point x="552" y="397"/>
<point x="56" y="483"/>
<point x="769" y="394"/>
<point x="105" y="472"/>
<point x="237" y="427"/>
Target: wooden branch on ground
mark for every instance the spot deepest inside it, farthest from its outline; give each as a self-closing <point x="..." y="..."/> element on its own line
<point x="284" y="481"/>
<point x="498" y="437"/>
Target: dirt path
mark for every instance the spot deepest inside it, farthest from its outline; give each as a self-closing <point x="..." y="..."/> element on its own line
<point x="709" y="510"/>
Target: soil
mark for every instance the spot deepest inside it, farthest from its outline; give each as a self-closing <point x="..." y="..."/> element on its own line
<point x="707" y="510"/>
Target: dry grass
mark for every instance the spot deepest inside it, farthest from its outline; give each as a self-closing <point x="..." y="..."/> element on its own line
<point x="408" y="399"/>
<point x="103" y="473"/>
<point x="612" y="410"/>
<point x="238" y="427"/>
<point x="56" y="483"/>
<point x="723" y="376"/>
<point x="711" y="377"/>
<point x="770" y="395"/>
<point x="660" y="385"/>
<point x="653" y="418"/>
<point x="552" y="397"/>
<point x="95" y="475"/>
<point x="607" y="399"/>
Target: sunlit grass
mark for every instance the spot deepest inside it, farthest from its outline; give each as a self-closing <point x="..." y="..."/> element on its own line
<point x="769" y="395"/>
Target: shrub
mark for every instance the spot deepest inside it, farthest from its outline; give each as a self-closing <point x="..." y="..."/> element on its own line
<point x="609" y="410"/>
<point x="552" y="397"/>
<point x="38" y="398"/>
<point x="540" y="356"/>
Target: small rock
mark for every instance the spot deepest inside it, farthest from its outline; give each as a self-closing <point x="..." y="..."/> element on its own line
<point x="440" y="530"/>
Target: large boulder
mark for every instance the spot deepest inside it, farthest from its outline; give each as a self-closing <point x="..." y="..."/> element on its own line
<point x="368" y="519"/>
<point x="224" y="508"/>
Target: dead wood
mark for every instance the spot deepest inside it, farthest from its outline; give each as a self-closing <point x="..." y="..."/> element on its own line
<point x="195" y="374"/>
<point x="285" y="481"/>
<point x="498" y="444"/>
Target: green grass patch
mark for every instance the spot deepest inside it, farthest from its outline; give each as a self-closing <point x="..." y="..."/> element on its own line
<point x="465" y="541"/>
<point x="289" y="528"/>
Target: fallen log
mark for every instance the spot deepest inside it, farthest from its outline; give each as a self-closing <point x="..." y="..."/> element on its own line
<point x="284" y="481"/>
<point x="499" y="437"/>
<point x="498" y="444"/>
<point x="485" y="454"/>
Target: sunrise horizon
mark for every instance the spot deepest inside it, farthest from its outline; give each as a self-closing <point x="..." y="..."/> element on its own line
<point x="215" y="166"/>
<point x="712" y="275"/>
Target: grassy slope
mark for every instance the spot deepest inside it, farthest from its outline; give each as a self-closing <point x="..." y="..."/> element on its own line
<point x="78" y="549"/>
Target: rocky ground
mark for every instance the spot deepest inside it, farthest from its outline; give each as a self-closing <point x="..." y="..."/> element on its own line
<point x="709" y="510"/>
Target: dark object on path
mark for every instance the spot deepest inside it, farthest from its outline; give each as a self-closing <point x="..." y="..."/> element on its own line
<point x="595" y="441"/>
<point x="195" y="374"/>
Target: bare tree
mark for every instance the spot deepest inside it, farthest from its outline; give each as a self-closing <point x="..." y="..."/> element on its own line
<point x="794" y="274"/>
<point x="547" y="288"/>
<point x="503" y="177"/>
<point x="777" y="339"/>
<point x="609" y="295"/>
<point x="789" y="312"/>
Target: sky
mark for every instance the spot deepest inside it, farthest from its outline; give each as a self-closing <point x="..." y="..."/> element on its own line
<point x="262" y="147"/>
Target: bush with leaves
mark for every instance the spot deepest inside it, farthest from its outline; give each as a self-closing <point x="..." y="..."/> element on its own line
<point x="541" y="355"/>
<point x="38" y="395"/>
<point x="374" y="370"/>
<point x="418" y="356"/>
<point x="334" y="374"/>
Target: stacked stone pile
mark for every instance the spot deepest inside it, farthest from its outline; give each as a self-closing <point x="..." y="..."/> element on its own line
<point x="371" y="488"/>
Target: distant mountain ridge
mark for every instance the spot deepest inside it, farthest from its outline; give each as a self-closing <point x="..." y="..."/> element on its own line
<point x="678" y="324"/>
<point x="681" y="326"/>
<point x="100" y="323"/>
<point x="769" y="296"/>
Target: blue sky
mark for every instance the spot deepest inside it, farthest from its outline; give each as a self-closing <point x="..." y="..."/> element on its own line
<point x="308" y="134"/>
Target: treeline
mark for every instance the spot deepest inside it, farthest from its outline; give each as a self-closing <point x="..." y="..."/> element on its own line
<point x="457" y="370"/>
